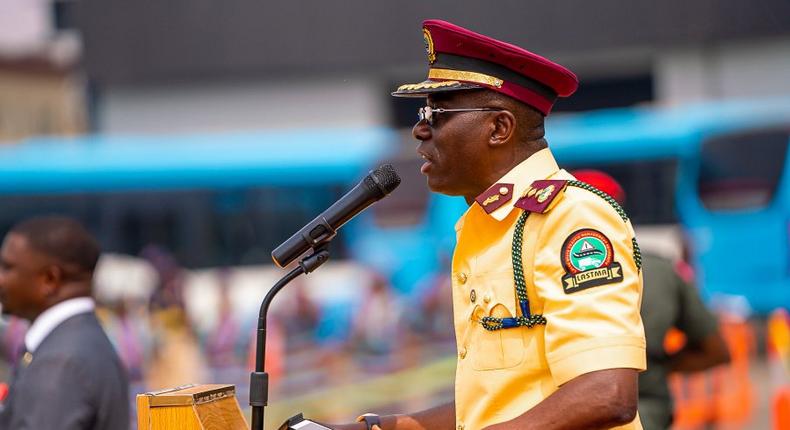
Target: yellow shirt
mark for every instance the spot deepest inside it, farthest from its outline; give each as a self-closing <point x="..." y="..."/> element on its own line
<point x="581" y="274"/>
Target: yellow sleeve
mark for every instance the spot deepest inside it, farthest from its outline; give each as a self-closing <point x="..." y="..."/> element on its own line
<point x="590" y="298"/>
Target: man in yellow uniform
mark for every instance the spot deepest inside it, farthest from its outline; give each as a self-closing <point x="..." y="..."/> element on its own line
<point x="546" y="279"/>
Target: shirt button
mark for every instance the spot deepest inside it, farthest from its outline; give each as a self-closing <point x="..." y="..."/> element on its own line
<point x="487" y="298"/>
<point x="462" y="277"/>
<point x="462" y="353"/>
<point x="473" y="296"/>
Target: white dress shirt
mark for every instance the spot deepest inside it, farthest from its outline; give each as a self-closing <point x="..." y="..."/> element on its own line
<point x="53" y="317"/>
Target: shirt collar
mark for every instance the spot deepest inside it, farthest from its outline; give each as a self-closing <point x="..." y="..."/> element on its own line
<point x="53" y="317"/>
<point x="540" y="165"/>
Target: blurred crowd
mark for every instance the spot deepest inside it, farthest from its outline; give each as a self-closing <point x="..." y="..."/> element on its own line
<point x="164" y="344"/>
<point x="318" y="338"/>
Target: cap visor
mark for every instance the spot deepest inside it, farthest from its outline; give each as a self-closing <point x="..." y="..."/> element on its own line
<point x="431" y="86"/>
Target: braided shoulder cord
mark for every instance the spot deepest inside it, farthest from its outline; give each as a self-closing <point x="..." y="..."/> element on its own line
<point x="526" y="319"/>
<point x="619" y="209"/>
<point x="601" y="194"/>
<point x="637" y="254"/>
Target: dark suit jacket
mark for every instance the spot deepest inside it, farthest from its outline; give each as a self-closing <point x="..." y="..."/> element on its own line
<point x="74" y="382"/>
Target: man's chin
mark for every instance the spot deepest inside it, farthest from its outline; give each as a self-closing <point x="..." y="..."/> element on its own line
<point x="438" y="186"/>
<point x="438" y="189"/>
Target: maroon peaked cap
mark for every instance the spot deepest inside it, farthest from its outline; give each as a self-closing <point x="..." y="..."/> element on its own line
<point x="460" y="59"/>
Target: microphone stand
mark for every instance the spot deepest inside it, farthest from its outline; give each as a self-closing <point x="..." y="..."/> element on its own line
<point x="259" y="379"/>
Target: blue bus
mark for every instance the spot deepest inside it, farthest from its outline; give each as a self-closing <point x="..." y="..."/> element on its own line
<point x="212" y="200"/>
<point x="718" y="170"/>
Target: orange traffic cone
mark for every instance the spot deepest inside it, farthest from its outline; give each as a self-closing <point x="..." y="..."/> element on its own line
<point x="778" y="339"/>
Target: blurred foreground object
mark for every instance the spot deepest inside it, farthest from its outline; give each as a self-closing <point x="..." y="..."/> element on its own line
<point x="190" y="407"/>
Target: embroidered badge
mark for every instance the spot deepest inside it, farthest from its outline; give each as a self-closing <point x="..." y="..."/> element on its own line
<point x="428" y="85"/>
<point x="426" y="36"/>
<point x="588" y="260"/>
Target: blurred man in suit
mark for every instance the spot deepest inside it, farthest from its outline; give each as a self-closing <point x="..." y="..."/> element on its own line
<point x="70" y="377"/>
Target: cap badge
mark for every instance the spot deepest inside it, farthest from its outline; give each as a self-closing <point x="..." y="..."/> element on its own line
<point x="426" y="35"/>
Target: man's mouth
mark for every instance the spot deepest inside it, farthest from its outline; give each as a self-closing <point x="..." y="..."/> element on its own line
<point x="426" y="166"/>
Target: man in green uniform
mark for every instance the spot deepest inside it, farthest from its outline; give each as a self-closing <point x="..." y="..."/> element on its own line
<point x="667" y="301"/>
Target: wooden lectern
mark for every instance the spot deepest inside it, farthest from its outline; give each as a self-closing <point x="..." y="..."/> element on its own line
<point x="191" y="407"/>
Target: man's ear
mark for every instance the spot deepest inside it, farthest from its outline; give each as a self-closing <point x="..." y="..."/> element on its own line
<point x="503" y="128"/>
<point x="53" y="278"/>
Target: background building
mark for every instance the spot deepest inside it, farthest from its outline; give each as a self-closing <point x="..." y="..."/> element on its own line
<point x="286" y="64"/>
<point x="196" y="135"/>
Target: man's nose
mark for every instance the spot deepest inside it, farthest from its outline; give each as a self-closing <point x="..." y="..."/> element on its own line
<point x="421" y="130"/>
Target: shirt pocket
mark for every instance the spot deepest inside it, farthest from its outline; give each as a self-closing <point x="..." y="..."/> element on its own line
<point x="498" y="349"/>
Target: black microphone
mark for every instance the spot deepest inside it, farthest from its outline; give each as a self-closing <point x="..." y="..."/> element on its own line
<point x="322" y="229"/>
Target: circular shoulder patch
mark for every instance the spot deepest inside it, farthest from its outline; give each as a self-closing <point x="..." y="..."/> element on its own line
<point x="586" y="249"/>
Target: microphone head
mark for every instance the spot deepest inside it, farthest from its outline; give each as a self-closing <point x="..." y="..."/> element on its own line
<point x="385" y="178"/>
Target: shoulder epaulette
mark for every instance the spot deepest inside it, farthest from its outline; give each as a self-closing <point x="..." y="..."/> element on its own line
<point x="542" y="195"/>
<point x="495" y="197"/>
<point x="612" y="202"/>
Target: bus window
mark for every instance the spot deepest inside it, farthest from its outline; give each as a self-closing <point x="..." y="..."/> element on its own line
<point x="202" y="228"/>
<point x="741" y="171"/>
<point x="649" y="189"/>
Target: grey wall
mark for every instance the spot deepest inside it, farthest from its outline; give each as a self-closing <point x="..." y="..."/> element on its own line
<point x="161" y="41"/>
